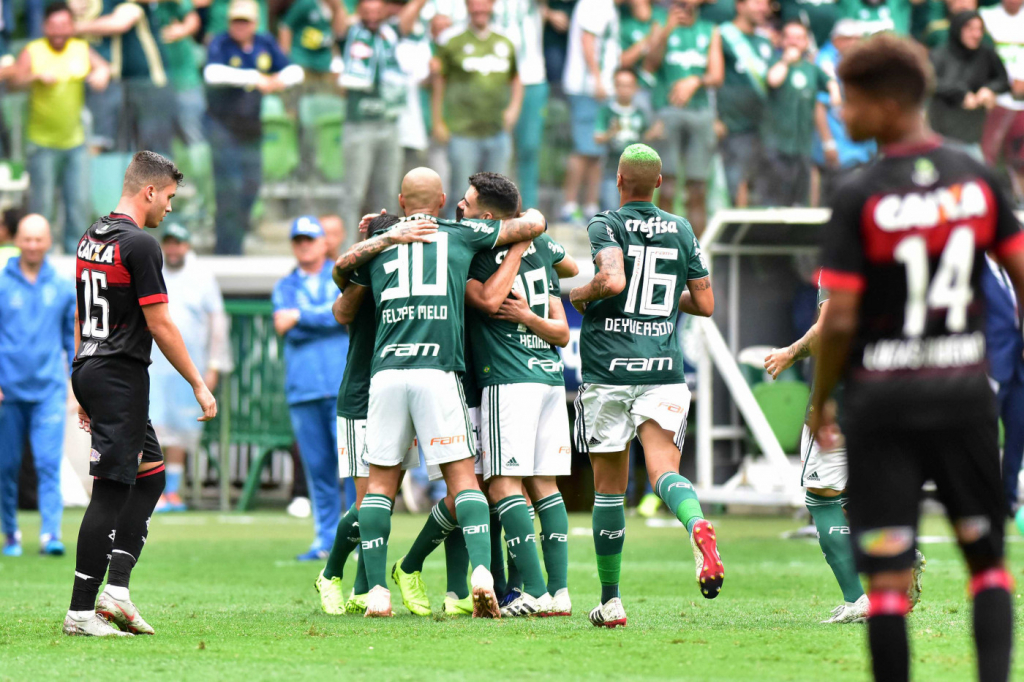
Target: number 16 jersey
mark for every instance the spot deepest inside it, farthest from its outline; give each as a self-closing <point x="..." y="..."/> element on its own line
<point x="630" y="339"/>
<point x="119" y="269"/>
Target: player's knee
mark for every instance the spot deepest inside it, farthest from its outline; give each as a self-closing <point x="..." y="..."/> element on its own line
<point x="981" y="542"/>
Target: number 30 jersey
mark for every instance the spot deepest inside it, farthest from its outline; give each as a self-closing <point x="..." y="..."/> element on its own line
<point x="118" y="270"/>
<point x="630" y="339"/>
<point x="420" y="290"/>
<point x="909" y="234"/>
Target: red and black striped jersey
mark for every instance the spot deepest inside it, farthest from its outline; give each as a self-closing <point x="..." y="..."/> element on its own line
<point x="118" y="270"/>
<point x="910" y="233"/>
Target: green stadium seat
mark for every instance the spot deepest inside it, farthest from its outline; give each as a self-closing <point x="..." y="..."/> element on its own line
<point x="322" y="117"/>
<point x="106" y="175"/>
<point x="253" y="411"/>
<point x="280" y="141"/>
<point x="784" y="404"/>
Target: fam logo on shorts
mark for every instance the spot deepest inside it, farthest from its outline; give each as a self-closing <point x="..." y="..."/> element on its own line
<point x="94" y="456"/>
<point x="885" y="542"/>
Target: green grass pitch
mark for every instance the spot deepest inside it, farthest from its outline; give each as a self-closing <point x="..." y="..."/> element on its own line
<point x="229" y="602"/>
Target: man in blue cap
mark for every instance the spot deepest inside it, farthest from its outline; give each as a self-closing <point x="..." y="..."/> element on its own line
<point x="37" y="345"/>
<point x="314" y="357"/>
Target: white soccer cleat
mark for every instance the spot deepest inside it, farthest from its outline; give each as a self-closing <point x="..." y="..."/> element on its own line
<point x="557" y="605"/>
<point x="95" y="626"/>
<point x="485" y="602"/>
<point x="609" y="614"/>
<point x="914" y="594"/>
<point x="524" y="605"/>
<point x="123" y="614"/>
<point x="857" y="612"/>
<point x="378" y="603"/>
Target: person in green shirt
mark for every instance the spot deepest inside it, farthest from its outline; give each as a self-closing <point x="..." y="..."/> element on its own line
<point x="306" y="34"/>
<point x="637" y="21"/>
<point x="819" y="15"/>
<point x="789" y="124"/>
<point x="477" y="96"/>
<point x="880" y="15"/>
<point x="375" y="89"/>
<point x="620" y="123"/>
<point x="686" y="59"/>
<point x="742" y="97"/>
<point x="179" y="23"/>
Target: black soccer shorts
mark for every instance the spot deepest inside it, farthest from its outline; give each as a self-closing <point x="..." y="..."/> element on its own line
<point x="114" y="392"/>
<point x="888" y="466"/>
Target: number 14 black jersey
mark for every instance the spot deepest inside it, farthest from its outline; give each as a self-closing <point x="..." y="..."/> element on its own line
<point x="118" y="270"/>
<point x="910" y="234"/>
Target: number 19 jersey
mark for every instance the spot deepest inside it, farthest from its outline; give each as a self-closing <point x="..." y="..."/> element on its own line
<point x="630" y="339"/>
<point x="419" y="290"/>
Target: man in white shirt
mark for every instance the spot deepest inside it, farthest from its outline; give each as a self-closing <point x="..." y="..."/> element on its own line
<point x="197" y="307"/>
<point x="1004" y="131"/>
<point x="590" y="67"/>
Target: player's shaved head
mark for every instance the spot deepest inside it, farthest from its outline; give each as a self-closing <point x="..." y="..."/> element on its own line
<point x="149" y="168"/>
<point x="639" y="171"/>
<point x="422" y="191"/>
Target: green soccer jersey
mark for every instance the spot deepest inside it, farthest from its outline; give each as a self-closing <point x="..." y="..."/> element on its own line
<point x="630" y="123"/>
<point x="310" y="23"/>
<point x="889" y="15"/>
<point x="182" y="65"/>
<point x="509" y="353"/>
<point x="686" y="54"/>
<point x="742" y="97"/>
<point x="419" y="291"/>
<point x="477" y="72"/>
<point x="630" y="339"/>
<point x="789" y="120"/>
<point x="354" y="393"/>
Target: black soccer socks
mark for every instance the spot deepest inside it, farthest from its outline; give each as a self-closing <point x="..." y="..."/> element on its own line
<point x="133" y="525"/>
<point x="95" y="539"/>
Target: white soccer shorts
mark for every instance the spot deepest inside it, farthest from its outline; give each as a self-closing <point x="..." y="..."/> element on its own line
<point x="352" y="450"/>
<point x="525" y="431"/>
<point x="607" y="417"/>
<point x="821" y="468"/>
<point x="428" y="403"/>
<point x="434" y="471"/>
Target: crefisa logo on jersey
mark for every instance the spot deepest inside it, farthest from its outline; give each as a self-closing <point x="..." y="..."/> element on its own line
<point x="897" y="212"/>
<point x="652" y="226"/>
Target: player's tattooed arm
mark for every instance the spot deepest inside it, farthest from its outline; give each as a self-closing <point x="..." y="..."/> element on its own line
<point x="529" y="225"/>
<point x="837" y="324"/>
<point x="781" y="359"/>
<point x="609" y="280"/>
<point x="488" y="296"/>
<point x="698" y="299"/>
<point x="347" y="304"/>
<point x="404" y="233"/>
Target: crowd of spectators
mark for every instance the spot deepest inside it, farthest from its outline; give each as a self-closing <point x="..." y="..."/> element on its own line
<point x="735" y="93"/>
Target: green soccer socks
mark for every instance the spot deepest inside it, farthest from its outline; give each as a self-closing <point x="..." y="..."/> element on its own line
<point x="522" y="543"/>
<point x="609" y="536"/>
<point x="439" y="524"/>
<point x="554" y="528"/>
<point x="681" y="499"/>
<point x="834" y="538"/>
<point x="345" y="541"/>
<point x="472" y="512"/>
<point x="361" y="586"/>
<point x="374" y="530"/>
<point x="497" y="553"/>
<point x="456" y="560"/>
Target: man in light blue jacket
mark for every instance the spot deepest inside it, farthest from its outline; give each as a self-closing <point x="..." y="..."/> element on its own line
<point x="315" y="347"/>
<point x="37" y="345"/>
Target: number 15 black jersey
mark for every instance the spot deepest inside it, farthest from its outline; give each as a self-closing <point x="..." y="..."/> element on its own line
<point x="910" y="234"/>
<point x="118" y="270"/>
